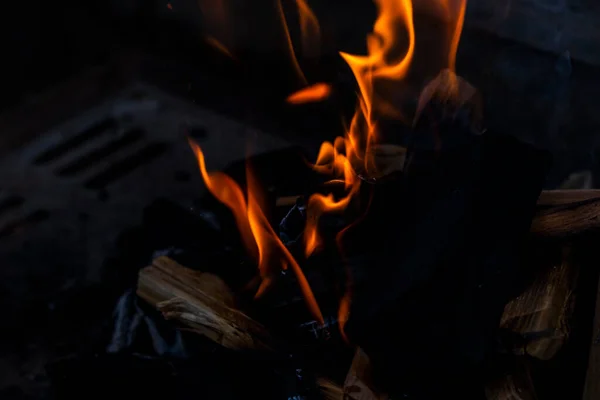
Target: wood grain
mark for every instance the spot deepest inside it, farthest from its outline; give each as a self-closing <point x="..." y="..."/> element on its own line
<point x="202" y="302"/>
<point x="542" y="312"/>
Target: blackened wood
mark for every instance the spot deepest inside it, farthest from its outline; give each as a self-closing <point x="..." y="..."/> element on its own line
<point x="446" y="269"/>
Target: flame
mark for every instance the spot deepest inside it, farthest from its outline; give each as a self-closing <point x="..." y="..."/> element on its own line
<point x="257" y="234"/>
<point x="316" y="92"/>
<point x="390" y="53"/>
<point x="342" y="159"/>
<point x="448" y="87"/>
<point x="379" y="65"/>
<point x="309" y="29"/>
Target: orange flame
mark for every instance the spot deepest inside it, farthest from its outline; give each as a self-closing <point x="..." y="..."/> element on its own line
<point x="455" y="10"/>
<point x="390" y="53"/>
<point x="313" y="93"/>
<point x="381" y="46"/>
<point x="309" y="29"/>
<point x="341" y="158"/>
<point x="257" y="234"/>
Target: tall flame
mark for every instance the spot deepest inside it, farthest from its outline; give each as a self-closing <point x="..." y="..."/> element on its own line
<point x="343" y="157"/>
<point x="257" y="234"/>
<point x="390" y="53"/>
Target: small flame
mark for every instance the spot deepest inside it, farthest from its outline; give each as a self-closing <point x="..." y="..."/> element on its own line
<point x="309" y="29"/>
<point x="257" y="234"/>
<point x="310" y="94"/>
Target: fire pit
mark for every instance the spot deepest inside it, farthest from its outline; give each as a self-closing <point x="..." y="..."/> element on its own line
<point x="416" y="256"/>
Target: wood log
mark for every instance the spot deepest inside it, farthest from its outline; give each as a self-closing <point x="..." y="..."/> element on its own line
<point x="202" y="302"/>
<point x="592" y="381"/>
<point x="562" y="197"/>
<point x="567" y="219"/>
<point x="541" y="313"/>
<point x="359" y="384"/>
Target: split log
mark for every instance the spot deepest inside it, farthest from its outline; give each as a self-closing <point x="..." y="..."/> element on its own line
<point x="202" y="302"/>
<point x="359" y="383"/>
<point x="592" y="381"/>
<point x="541" y="313"/>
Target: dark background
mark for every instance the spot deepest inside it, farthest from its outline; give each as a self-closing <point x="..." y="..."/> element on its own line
<point x="538" y="96"/>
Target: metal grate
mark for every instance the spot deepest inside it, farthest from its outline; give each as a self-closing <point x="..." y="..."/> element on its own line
<point x="66" y="196"/>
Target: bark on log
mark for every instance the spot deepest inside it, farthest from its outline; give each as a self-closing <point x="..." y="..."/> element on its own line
<point x="202" y="302"/>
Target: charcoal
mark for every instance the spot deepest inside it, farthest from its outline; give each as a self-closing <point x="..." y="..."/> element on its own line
<point x="439" y="255"/>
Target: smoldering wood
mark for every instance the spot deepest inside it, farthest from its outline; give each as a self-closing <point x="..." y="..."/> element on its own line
<point x="202" y="302"/>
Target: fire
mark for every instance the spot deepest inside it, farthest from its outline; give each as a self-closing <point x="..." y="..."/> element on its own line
<point x="257" y="234"/>
<point x="316" y="92"/>
<point x="390" y="53"/>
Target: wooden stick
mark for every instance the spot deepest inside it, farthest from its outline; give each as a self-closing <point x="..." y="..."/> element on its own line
<point x="202" y="302"/>
<point x="592" y="380"/>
